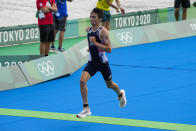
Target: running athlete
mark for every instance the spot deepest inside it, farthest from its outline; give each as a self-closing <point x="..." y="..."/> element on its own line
<point x="105" y="6"/>
<point x="98" y="42"/>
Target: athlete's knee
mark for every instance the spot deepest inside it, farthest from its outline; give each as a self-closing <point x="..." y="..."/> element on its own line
<point x="184" y="10"/>
<point x="109" y="85"/>
<point x="82" y="83"/>
<point x="112" y="85"/>
<point x="176" y="11"/>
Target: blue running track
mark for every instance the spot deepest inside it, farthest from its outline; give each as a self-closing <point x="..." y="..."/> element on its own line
<point x="160" y="83"/>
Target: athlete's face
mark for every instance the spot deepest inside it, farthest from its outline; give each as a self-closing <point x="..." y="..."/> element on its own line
<point x="94" y="19"/>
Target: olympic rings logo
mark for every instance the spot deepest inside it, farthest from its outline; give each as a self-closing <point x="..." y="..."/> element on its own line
<point x="47" y="68"/>
<point x="125" y="37"/>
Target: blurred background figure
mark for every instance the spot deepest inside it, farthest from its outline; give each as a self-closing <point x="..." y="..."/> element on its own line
<point x="184" y="4"/>
<point x="45" y="23"/>
<point x="60" y="20"/>
<point x="105" y="6"/>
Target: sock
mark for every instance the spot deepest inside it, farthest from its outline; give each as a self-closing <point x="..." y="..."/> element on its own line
<point x="85" y="105"/>
<point x="120" y="95"/>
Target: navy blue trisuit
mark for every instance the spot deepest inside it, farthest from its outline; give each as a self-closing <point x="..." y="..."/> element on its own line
<point x="97" y="60"/>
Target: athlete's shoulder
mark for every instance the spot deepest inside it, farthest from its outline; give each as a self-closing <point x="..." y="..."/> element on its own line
<point x="103" y="30"/>
<point x="88" y="28"/>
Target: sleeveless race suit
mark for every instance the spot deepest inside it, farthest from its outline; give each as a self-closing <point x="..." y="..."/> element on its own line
<point x="97" y="59"/>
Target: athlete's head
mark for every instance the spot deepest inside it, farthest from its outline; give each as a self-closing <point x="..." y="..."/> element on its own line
<point x="96" y="16"/>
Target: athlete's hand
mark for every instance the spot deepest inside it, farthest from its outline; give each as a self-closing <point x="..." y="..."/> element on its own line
<point x="117" y="10"/>
<point x="92" y="39"/>
<point x="122" y="11"/>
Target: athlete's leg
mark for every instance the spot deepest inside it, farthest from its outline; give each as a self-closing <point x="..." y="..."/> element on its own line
<point x="61" y="38"/>
<point x="62" y="29"/>
<point x="83" y="87"/>
<point x="107" y="25"/>
<point x="42" y="48"/>
<point x="111" y="85"/>
<point x="50" y="39"/>
<point x="184" y="14"/>
<point x="44" y="31"/>
<point x="177" y="5"/>
<point x="84" y="92"/>
<point x="55" y="32"/>
<point x="120" y="93"/>
<point x="104" y="24"/>
<point x="177" y="14"/>
<point x="47" y="48"/>
<point x="185" y="4"/>
<point x="106" y="20"/>
<point x="56" y="28"/>
<point x="107" y="75"/>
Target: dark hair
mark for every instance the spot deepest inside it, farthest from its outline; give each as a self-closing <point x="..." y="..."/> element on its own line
<point x="98" y="11"/>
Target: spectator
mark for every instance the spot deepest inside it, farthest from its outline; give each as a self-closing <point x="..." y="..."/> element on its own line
<point x="45" y="23"/>
<point x="105" y="6"/>
<point x="60" y="20"/>
<point x="184" y="4"/>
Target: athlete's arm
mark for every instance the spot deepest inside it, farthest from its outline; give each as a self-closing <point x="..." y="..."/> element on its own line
<point x="119" y="6"/>
<point x="48" y="9"/>
<point x="45" y="9"/>
<point x="87" y="30"/>
<point x="53" y="8"/>
<point x="105" y="38"/>
<point x="112" y="5"/>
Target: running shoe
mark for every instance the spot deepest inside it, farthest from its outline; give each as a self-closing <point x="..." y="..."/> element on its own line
<point x="61" y="49"/>
<point x="52" y="49"/>
<point x="85" y="112"/>
<point x="122" y="99"/>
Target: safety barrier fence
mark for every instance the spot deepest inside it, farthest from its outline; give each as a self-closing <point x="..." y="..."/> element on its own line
<point x="76" y="28"/>
<point x="43" y="69"/>
<point x="12" y="60"/>
<point x="152" y="33"/>
<point x="54" y="66"/>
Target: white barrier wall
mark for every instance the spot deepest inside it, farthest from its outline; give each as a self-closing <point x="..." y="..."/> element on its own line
<point x="12" y="77"/>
